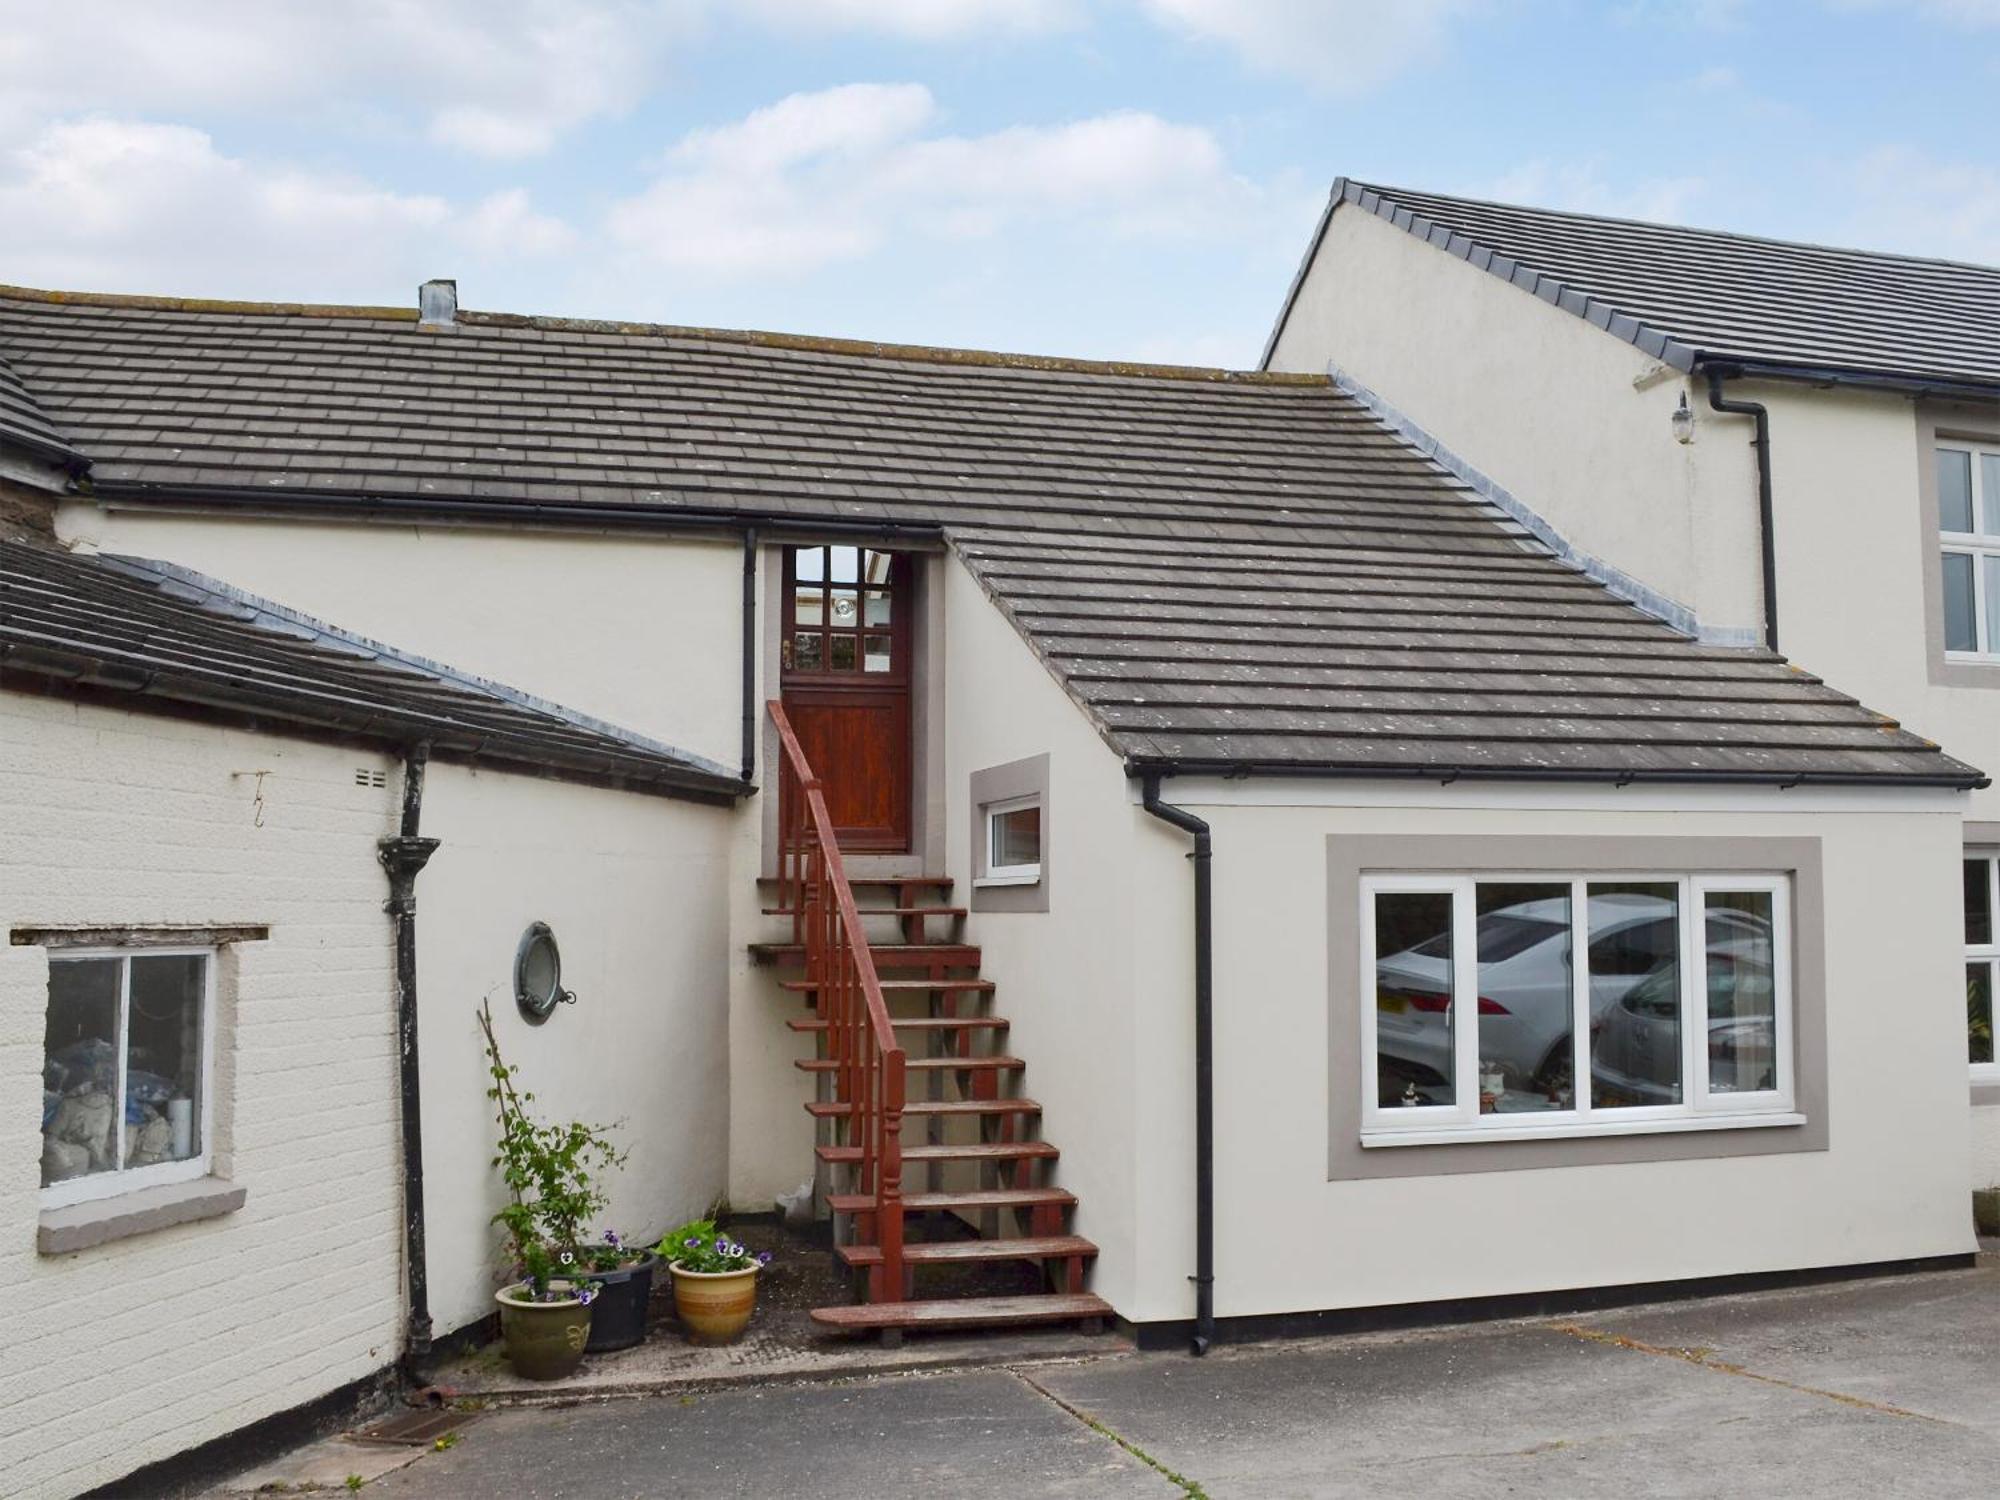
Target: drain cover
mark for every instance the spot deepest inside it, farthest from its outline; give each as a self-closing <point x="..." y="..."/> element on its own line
<point x="418" y="1429"/>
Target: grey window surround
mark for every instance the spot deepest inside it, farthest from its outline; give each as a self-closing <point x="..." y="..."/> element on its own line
<point x="1349" y="857"/>
<point x="1950" y="423"/>
<point x="1979" y="835"/>
<point x="81" y="1226"/>
<point x="1003" y="783"/>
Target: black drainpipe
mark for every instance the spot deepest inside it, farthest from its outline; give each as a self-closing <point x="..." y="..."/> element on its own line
<point x="403" y="857"/>
<point x="1766" y="524"/>
<point x="1204" y="1060"/>
<point x="749" y="654"/>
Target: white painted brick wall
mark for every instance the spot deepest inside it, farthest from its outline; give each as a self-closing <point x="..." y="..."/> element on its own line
<point x="126" y="1354"/>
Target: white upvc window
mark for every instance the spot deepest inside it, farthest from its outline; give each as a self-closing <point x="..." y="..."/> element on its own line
<point x="1982" y="959"/>
<point x="1523" y="1006"/>
<point x="1968" y="492"/>
<point x="1012" y="831"/>
<point x="127" y="1069"/>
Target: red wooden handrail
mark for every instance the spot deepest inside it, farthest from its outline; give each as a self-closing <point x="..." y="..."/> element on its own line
<point x="869" y="1065"/>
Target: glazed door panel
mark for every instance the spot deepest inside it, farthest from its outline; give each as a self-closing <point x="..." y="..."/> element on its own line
<point x="846" y="686"/>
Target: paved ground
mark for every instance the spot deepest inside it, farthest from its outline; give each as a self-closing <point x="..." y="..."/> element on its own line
<point x="1868" y="1388"/>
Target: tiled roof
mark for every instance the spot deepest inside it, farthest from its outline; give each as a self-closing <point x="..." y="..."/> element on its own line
<point x="1699" y="296"/>
<point x="165" y="636"/>
<point x="1223" y="570"/>
<point x="23" y="426"/>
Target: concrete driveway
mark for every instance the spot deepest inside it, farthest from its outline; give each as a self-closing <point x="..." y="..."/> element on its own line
<point x="1865" y="1388"/>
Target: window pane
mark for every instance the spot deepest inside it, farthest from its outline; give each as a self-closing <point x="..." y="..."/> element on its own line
<point x="845" y="608"/>
<point x="1635" y="995"/>
<point x="1959" y="634"/>
<point x="1954" y="482"/>
<point x="875" y="653"/>
<point x="806" y="651"/>
<point x="163" y="1060"/>
<point x="878" y="607"/>
<point x="80" y="1069"/>
<point x="1742" y="993"/>
<point x="1526" y="1008"/>
<point x="1978" y="903"/>
<point x="841" y="653"/>
<point x="1413" y="1010"/>
<point x="809" y="606"/>
<point x="1992" y="581"/>
<point x="1017" y="837"/>
<point x="878" y="565"/>
<point x="1979" y="1012"/>
<point x="809" y="564"/>
<point x="845" y="562"/>
<point x="1989" y="491"/>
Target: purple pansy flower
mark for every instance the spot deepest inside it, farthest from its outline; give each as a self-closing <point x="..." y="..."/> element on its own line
<point x="763" y="1257"/>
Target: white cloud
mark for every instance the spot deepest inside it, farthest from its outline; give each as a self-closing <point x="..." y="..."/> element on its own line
<point x="139" y="206"/>
<point x="1581" y="188"/>
<point x="833" y="176"/>
<point x="1343" y="46"/>
<point x="1971" y="14"/>
<point x="917" y="20"/>
<point x="1908" y="201"/>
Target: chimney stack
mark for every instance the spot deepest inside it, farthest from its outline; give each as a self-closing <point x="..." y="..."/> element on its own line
<point x="437" y="304"/>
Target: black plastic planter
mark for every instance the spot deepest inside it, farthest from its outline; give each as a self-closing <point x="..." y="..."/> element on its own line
<point x="618" y="1312"/>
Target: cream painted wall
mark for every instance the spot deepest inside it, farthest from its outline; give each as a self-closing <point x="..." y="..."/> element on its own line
<point x="1892" y="1185"/>
<point x="184" y="1334"/>
<point x="1065" y="976"/>
<point x="1544" y="405"/>
<point x="641" y="631"/>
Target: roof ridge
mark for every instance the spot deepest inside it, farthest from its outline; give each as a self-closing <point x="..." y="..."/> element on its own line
<point x="760" y="338"/>
<point x="1401" y="197"/>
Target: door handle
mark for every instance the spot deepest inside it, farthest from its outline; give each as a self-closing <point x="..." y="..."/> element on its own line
<point x="785" y="653"/>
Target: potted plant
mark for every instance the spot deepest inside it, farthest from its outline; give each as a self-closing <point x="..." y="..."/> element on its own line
<point x="622" y="1277"/>
<point x="551" y="1172"/>
<point x="715" y="1281"/>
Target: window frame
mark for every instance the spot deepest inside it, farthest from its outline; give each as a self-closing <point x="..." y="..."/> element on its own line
<point x="991" y="874"/>
<point x="1988" y="953"/>
<point x="121" y="1179"/>
<point x="1975" y="544"/>
<point x="1701" y="1107"/>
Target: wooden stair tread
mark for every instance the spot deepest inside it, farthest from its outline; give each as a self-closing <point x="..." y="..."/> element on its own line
<point x="831" y="1110"/>
<point x="887" y="955"/>
<point x="923" y="1023"/>
<point x="964" y="1312"/>
<point x="958" y="1252"/>
<point x="979" y="1151"/>
<point x="882" y="911"/>
<point x="900" y="986"/>
<point x="849" y="1203"/>
<point x="923" y="1064"/>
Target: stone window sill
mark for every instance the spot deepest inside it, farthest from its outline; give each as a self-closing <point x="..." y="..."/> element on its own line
<point x="80" y="1226"/>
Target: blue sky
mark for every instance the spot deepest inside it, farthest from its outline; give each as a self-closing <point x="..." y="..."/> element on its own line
<point x="1115" y="178"/>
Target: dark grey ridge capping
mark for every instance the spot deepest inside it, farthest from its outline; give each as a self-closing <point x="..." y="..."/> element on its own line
<point x="1691" y="297"/>
<point x="142" y="634"/>
<point x="1222" y="569"/>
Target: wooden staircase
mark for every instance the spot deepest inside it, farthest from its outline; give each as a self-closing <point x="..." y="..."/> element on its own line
<point x="974" y="1140"/>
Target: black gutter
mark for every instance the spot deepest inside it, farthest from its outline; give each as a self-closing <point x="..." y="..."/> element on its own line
<point x="1766" y="522"/>
<point x="1204" y="1059"/>
<point x="1237" y="770"/>
<point x="404" y="856"/>
<point x="749" y="655"/>
<point x="1904" y="385"/>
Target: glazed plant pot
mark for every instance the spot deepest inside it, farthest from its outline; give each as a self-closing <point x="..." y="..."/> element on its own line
<point x="714" y="1306"/>
<point x="618" y="1313"/>
<point x="544" y="1340"/>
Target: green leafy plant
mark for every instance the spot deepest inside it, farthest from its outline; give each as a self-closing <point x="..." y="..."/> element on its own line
<point x="699" y="1246"/>
<point x="554" y="1176"/>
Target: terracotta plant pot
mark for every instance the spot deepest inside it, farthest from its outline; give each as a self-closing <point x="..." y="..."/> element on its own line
<point x="714" y="1306"/>
<point x="544" y="1340"/>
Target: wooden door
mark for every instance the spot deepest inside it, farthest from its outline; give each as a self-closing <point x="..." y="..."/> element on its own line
<point x="846" y="686"/>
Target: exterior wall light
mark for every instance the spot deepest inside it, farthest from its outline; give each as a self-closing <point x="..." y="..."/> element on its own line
<point x="1683" y="421"/>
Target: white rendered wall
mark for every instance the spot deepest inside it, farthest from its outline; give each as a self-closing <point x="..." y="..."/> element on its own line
<point x="184" y="1334"/>
<point x="640" y="631"/>
<point x="1891" y="1186"/>
<point x="1543" y="404"/>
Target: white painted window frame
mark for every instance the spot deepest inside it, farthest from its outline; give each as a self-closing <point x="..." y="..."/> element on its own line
<point x="1700" y="1109"/>
<point x="121" y="1179"/>
<point x="1988" y="953"/>
<point x="992" y="874"/>
<point x="1976" y="544"/>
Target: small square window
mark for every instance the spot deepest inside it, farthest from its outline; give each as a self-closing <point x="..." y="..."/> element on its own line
<point x="127" y="1044"/>
<point x="1013" y="837"/>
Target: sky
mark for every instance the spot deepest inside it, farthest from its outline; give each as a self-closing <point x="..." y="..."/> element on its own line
<point x="1127" y="179"/>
